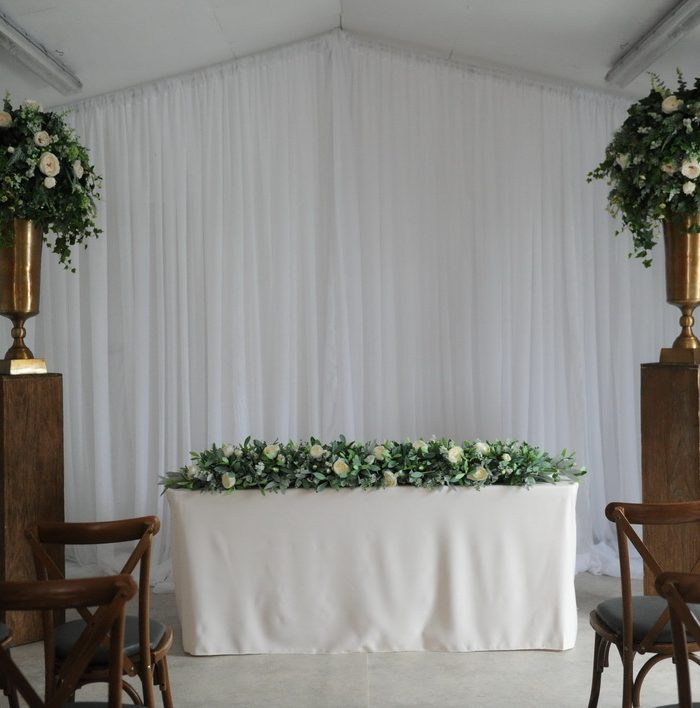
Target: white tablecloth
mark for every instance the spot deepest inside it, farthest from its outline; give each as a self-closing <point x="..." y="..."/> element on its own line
<point x="397" y="569"/>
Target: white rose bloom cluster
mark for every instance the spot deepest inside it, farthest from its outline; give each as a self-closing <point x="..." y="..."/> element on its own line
<point x="455" y="454"/>
<point x="49" y="164"/>
<point x="271" y="451"/>
<point x="42" y="139"/>
<point x="228" y="450"/>
<point x="316" y="451"/>
<point x="390" y="479"/>
<point x="482" y="448"/>
<point x="379" y="452"/>
<point x="671" y="104"/>
<point x="341" y="467"/>
<point x="420" y="445"/>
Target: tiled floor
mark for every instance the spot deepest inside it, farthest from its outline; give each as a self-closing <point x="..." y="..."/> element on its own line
<point x="537" y="679"/>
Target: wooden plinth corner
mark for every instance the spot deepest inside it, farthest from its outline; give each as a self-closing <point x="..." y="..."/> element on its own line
<point x="31" y="478"/>
<point x="670" y="418"/>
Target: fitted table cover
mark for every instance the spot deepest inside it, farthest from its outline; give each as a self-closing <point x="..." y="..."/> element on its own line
<point x="397" y="569"/>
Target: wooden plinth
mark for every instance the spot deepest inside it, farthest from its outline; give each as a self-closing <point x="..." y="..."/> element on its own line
<point x="31" y="478"/>
<point x="670" y="413"/>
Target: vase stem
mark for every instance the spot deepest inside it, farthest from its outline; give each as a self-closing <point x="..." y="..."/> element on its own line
<point x="18" y="350"/>
<point x="686" y="339"/>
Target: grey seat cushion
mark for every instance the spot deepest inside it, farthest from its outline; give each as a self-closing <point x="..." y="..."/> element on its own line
<point x="645" y="611"/>
<point x="67" y="635"/>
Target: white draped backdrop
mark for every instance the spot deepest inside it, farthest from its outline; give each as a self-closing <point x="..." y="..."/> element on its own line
<point x="336" y="237"/>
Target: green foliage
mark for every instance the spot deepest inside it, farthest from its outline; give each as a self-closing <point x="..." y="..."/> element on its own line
<point x="45" y="176"/>
<point x="339" y="464"/>
<point x="653" y="163"/>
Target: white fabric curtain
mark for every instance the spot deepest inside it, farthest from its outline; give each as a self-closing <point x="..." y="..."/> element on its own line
<point x="337" y="237"/>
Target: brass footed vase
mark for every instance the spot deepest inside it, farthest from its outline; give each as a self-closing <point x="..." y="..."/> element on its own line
<point x="20" y="280"/>
<point x="682" y="247"/>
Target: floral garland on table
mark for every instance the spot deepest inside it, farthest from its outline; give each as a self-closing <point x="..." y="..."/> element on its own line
<point x="275" y="467"/>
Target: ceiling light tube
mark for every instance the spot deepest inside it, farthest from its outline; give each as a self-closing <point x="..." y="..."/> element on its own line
<point x="35" y="57"/>
<point x="658" y="40"/>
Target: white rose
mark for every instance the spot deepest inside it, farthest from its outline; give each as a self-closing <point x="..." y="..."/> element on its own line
<point x="271" y="451"/>
<point x="420" y="445"/>
<point x="238" y="452"/>
<point x="191" y="471"/>
<point x="49" y="182"/>
<point x="10" y="149"/>
<point x="505" y="457"/>
<point x="671" y="104"/>
<point x="478" y="474"/>
<point x="390" y="479"/>
<point x="340" y="467"/>
<point x="49" y="164"/>
<point x="78" y="169"/>
<point x="688" y="187"/>
<point x="482" y="448"/>
<point x="42" y="139"/>
<point x="316" y="451"/>
<point x="5" y="119"/>
<point x="29" y="103"/>
<point x="228" y="480"/>
<point x="668" y="167"/>
<point x="690" y="169"/>
<point x="455" y="454"/>
<point x="379" y="452"/>
<point x="227" y="450"/>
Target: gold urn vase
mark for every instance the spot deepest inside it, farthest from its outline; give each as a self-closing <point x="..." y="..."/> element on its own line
<point x="20" y="280"/>
<point x="682" y="248"/>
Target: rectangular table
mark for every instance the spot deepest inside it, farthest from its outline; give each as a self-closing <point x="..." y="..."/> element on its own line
<point x="397" y="569"/>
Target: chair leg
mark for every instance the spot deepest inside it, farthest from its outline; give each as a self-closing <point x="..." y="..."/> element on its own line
<point x="600" y="661"/>
<point x="162" y="678"/>
<point x="627" y="677"/>
<point x="11" y="693"/>
<point x="149" y="698"/>
<point x="648" y="666"/>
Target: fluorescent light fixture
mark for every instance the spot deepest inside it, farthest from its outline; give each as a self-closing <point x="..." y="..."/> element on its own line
<point x="35" y="57"/>
<point x="659" y="39"/>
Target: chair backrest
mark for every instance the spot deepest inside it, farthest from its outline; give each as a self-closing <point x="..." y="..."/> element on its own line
<point x="107" y="594"/>
<point x="140" y="530"/>
<point x="680" y="589"/>
<point x="624" y="515"/>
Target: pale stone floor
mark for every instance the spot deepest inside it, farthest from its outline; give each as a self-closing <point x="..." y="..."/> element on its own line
<point x="537" y="679"/>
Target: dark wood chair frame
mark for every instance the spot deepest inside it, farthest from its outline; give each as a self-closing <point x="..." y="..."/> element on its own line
<point x="679" y="589"/>
<point x="624" y="515"/>
<point x="109" y="595"/>
<point x="7" y="687"/>
<point x="149" y="664"/>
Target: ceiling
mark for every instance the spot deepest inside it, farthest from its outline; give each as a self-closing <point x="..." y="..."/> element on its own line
<point x="114" y="44"/>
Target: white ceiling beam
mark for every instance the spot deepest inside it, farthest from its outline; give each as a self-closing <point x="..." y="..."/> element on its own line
<point x="36" y="57"/>
<point x="654" y="43"/>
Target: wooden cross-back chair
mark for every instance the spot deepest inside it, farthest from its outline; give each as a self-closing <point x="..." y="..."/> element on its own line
<point x="637" y="624"/>
<point x="109" y="595"/>
<point x="146" y="641"/>
<point x="681" y="591"/>
<point x="7" y="688"/>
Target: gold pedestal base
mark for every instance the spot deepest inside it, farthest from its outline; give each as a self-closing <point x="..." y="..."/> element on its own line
<point x="680" y="356"/>
<point x="23" y="366"/>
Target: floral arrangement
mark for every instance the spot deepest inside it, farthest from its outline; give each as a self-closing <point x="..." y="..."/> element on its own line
<point x="275" y="467"/>
<point x="46" y="177"/>
<point x="653" y="162"/>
